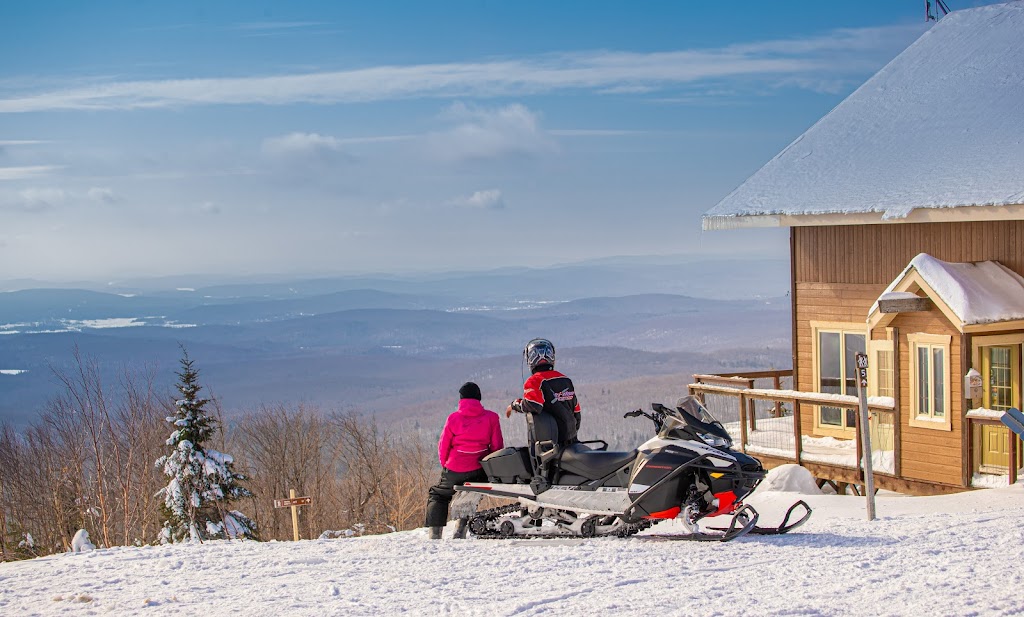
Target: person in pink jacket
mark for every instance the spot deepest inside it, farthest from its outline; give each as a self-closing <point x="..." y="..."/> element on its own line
<point x="469" y="434"/>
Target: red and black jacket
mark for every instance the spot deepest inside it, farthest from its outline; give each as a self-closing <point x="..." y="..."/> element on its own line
<point x="549" y="391"/>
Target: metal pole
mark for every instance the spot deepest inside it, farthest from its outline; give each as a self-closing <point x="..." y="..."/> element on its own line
<point x="865" y="433"/>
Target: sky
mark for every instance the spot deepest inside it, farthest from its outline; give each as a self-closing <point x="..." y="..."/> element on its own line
<point x="242" y="138"/>
<point x="958" y="554"/>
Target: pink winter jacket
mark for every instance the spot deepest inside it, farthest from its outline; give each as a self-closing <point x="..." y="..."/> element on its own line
<point x="469" y="434"/>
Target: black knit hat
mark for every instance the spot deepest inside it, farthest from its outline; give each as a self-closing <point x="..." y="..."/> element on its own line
<point x="470" y="390"/>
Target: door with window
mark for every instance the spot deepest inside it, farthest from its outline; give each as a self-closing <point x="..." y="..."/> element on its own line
<point x="1000" y="370"/>
<point x="837" y="351"/>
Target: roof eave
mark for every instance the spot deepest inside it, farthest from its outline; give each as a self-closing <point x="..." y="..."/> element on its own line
<point x="937" y="214"/>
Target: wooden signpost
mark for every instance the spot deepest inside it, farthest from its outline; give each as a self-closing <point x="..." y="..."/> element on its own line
<point x="293" y="502"/>
<point x="865" y="432"/>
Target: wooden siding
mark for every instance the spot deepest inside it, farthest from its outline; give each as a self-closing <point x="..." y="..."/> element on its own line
<point x="838" y="274"/>
<point x="828" y="303"/>
<point x="831" y="303"/>
<point x="876" y="254"/>
<point x="929" y="454"/>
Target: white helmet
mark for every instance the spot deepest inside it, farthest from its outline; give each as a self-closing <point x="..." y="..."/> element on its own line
<point x="539" y="351"/>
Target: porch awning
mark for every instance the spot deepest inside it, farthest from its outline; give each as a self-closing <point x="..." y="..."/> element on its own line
<point x="969" y="294"/>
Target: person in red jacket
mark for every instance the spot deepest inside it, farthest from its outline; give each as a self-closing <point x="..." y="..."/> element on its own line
<point x="469" y="434"/>
<point x="548" y="391"/>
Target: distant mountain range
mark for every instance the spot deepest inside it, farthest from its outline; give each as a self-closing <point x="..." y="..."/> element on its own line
<point x="383" y="343"/>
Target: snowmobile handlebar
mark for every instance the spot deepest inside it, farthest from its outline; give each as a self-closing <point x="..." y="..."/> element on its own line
<point x="656" y="416"/>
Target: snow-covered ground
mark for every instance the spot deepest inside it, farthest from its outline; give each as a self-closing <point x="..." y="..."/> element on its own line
<point x="950" y="555"/>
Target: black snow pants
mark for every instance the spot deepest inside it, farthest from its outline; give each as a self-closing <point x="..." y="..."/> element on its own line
<point x="440" y="495"/>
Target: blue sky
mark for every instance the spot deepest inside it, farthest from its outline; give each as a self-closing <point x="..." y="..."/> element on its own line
<point x="152" y="138"/>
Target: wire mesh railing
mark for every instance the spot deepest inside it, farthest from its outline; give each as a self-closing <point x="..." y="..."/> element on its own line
<point x="764" y="417"/>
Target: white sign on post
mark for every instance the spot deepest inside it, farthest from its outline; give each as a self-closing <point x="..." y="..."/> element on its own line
<point x="865" y="433"/>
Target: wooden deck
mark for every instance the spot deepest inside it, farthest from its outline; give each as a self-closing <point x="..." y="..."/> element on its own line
<point x="766" y="421"/>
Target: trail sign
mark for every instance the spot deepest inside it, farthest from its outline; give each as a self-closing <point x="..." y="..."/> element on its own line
<point x="293" y="502"/>
<point x="297" y="501"/>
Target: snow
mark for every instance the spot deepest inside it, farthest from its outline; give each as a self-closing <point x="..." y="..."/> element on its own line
<point x="874" y="401"/>
<point x="982" y="412"/>
<point x="959" y="554"/>
<point x="80" y="543"/>
<point x="898" y="295"/>
<point x="940" y="126"/>
<point x="977" y="293"/>
<point x="789" y="479"/>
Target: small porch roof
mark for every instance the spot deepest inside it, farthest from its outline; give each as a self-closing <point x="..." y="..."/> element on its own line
<point x="971" y="295"/>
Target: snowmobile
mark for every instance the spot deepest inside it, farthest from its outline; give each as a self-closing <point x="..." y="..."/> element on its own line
<point x="688" y="470"/>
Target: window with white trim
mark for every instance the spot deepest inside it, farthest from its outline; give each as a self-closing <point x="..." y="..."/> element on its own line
<point x="929" y="374"/>
<point x="836" y="347"/>
<point x="883" y="369"/>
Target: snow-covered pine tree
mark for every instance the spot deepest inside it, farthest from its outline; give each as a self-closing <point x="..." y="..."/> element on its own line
<point x="201" y="481"/>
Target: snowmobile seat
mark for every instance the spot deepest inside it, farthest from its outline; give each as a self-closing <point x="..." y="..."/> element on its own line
<point x="593" y="464"/>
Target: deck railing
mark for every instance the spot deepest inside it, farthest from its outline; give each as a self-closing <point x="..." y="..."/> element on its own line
<point x="767" y="420"/>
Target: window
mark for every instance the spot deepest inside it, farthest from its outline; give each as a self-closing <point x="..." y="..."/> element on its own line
<point x="929" y="371"/>
<point x="882" y="381"/>
<point x="999" y="368"/>
<point x="836" y="347"/>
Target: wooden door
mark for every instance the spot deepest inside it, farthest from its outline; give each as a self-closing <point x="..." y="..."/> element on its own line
<point x="1001" y="373"/>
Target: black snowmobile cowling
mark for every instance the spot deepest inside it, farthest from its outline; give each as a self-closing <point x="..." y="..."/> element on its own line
<point x="688" y="470"/>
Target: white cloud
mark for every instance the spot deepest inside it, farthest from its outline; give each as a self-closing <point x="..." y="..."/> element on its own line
<point x="305" y="155"/>
<point x="840" y="51"/>
<point x="28" y="172"/>
<point x="33" y="199"/>
<point x="482" y="134"/>
<point x="102" y="195"/>
<point x="490" y="199"/>
<point x="301" y="144"/>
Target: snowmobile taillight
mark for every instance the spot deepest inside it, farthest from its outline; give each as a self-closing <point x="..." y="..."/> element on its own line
<point x="726" y="503"/>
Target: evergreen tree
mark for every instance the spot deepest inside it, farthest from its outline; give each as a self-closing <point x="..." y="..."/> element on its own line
<point x="201" y="481"/>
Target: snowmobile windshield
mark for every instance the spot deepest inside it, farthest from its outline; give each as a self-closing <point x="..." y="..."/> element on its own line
<point x="699" y="420"/>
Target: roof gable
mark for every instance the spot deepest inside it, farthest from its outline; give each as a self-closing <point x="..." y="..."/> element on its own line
<point x="969" y="294"/>
<point x="939" y="127"/>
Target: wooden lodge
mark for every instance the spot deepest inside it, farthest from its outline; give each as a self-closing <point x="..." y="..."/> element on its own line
<point x="905" y="206"/>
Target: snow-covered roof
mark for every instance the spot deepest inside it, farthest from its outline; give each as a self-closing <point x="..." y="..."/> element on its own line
<point x="939" y="127"/>
<point x="976" y="293"/>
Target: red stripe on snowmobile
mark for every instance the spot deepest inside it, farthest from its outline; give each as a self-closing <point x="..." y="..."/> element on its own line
<point x="726" y="503"/>
<point x="670" y="513"/>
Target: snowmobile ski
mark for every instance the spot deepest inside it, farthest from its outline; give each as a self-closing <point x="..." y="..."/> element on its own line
<point x="784" y="527"/>
<point x="744" y="521"/>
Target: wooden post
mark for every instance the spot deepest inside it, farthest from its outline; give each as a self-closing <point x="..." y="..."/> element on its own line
<point x="864" y="434"/>
<point x="700" y="394"/>
<point x="777" y="384"/>
<point x="743" y="423"/>
<point x="897" y="426"/>
<point x="798" y="439"/>
<point x="293" y="502"/>
<point x="751" y="406"/>
<point x="1013" y="456"/>
<point x="295" y="516"/>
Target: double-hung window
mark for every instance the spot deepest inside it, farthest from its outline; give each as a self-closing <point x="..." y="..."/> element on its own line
<point x="835" y="348"/>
